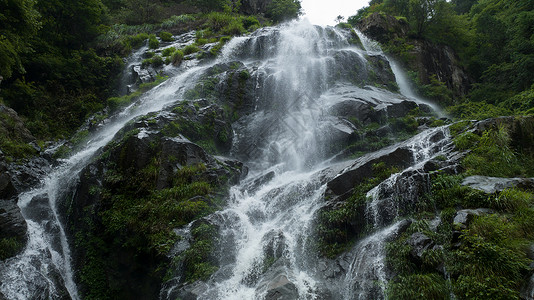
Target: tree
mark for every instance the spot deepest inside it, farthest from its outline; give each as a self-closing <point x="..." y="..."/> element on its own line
<point x="20" y="21"/>
<point x="339" y="19"/>
<point x="283" y="10"/>
<point x="463" y="6"/>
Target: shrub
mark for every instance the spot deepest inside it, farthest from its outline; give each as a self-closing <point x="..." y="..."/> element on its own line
<point x="157" y="61"/>
<point x="251" y="23"/>
<point x="177" y="57"/>
<point x="189" y="49"/>
<point x="153" y="42"/>
<point x="235" y="27"/>
<point x="166" y="36"/>
<point x="168" y="51"/>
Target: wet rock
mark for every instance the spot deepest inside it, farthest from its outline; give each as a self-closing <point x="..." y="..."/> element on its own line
<point x="355" y="108"/>
<point x="464" y="217"/>
<point x="363" y="168"/>
<point x="280" y="288"/>
<point x="7" y="190"/>
<point x="192" y="291"/>
<point x="491" y="185"/>
<point x="399" y="110"/>
<point x="384" y="28"/>
<point x="419" y="243"/>
<point x="143" y="75"/>
<point x="12" y="225"/>
<point x="429" y="59"/>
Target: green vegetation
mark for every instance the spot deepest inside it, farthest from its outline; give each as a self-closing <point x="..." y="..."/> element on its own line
<point x="487" y="257"/>
<point x="59" y="59"/>
<point x="339" y="227"/>
<point x="9" y="247"/>
<point x="136" y="212"/>
<point x="115" y="103"/>
<point x="283" y="10"/>
<point x="493" y="39"/>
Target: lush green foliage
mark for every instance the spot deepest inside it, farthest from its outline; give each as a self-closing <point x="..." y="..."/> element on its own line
<point x="485" y="259"/>
<point x="493" y="39"/>
<point x="283" y="10"/>
<point x="59" y="59"/>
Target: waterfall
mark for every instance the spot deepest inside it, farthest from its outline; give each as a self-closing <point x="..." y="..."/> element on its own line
<point x="307" y="79"/>
<point x="43" y="270"/>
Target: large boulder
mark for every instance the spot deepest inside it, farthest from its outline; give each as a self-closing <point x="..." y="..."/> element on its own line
<point x="491" y="185"/>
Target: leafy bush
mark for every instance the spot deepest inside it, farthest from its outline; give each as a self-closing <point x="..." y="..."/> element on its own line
<point x="189" y="49"/>
<point x="9" y="247"/>
<point x="235" y="27"/>
<point x="177" y="57"/>
<point x="168" y="51"/>
<point x="418" y="286"/>
<point x="493" y="156"/>
<point x="166" y="36"/>
<point x="153" y="42"/>
<point x="283" y="10"/>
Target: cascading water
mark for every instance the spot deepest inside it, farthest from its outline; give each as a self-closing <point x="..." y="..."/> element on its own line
<point x="301" y="72"/>
<point x="266" y="229"/>
<point x="43" y="270"/>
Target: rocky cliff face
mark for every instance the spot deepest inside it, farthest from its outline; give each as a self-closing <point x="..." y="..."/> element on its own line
<point x="425" y="58"/>
<point x="16" y="142"/>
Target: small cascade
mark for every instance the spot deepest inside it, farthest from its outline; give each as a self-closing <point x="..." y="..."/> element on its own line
<point x="367" y="276"/>
<point x="392" y="199"/>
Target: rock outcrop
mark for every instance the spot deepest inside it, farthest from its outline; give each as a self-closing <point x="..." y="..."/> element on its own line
<point x="427" y="59"/>
<point x="150" y="180"/>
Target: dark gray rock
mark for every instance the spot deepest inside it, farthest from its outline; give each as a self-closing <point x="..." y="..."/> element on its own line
<point x="429" y="59"/>
<point x="491" y="185"/>
<point x="363" y="168"/>
<point x="7" y="190"/>
<point x="401" y="109"/>
<point x="192" y="291"/>
<point x="419" y="243"/>
<point x="12" y="223"/>
<point x="355" y="108"/>
<point x="280" y="288"/>
<point x="464" y="217"/>
<point x="384" y="28"/>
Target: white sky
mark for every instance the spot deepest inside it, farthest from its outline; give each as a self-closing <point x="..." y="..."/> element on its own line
<point x="324" y="12"/>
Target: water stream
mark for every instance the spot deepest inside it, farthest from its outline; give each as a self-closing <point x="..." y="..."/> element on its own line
<point x="266" y="229"/>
